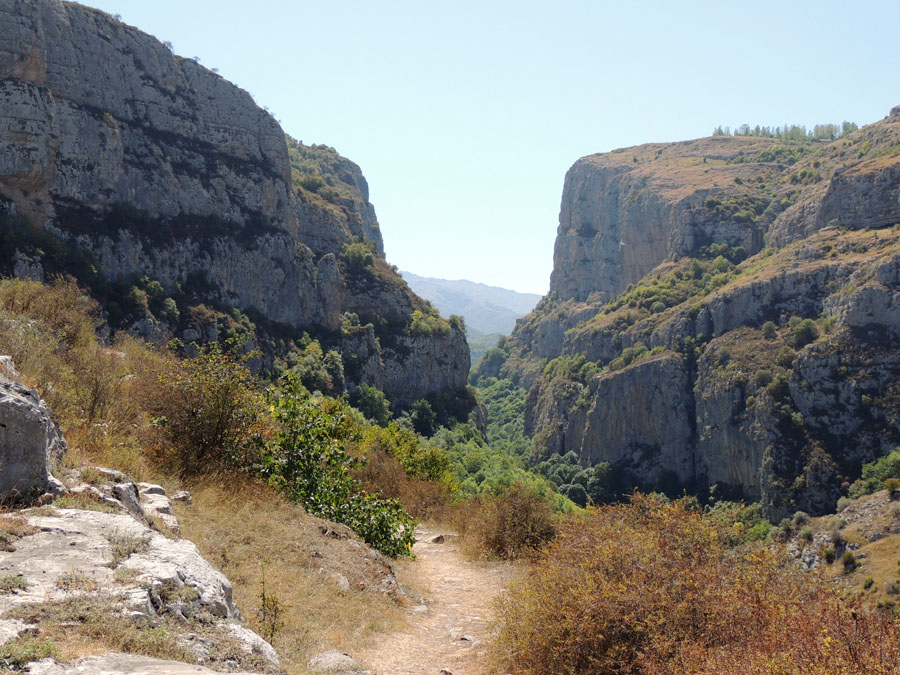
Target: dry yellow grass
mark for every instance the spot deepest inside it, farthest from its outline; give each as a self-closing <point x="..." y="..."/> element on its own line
<point x="244" y="528"/>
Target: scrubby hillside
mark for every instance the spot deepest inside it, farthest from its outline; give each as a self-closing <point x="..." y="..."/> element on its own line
<point x="185" y="209"/>
<point x="722" y="312"/>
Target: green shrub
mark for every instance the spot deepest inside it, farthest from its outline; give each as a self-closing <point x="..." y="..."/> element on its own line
<point x="372" y="403"/>
<point x="307" y="459"/>
<point x="785" y="357"/>
<point x="848" y="560"/>
<point x="828" y="554"/>
<point x="875" y="473"/>
<point x="359" y="259"/>
<point x="804" y="333"/>
<point x="770" y="330"/>
<point x="892" y="485"/>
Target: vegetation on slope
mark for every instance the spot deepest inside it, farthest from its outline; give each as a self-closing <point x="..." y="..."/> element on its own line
<point x="658" y="587"/>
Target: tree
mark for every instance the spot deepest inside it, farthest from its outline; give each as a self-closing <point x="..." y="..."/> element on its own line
<point x="372" y="403"/>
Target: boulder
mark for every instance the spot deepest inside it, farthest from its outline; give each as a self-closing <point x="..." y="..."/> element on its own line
<point x="31" y="444"/>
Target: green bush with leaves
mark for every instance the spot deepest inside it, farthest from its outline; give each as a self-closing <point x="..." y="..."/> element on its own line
<point x="803" y="333"/>
<point x="427" y="322"/>
<point x="505" y="404"/>
<point x="372" y="403"/>
<point x="320" y="371"/>
<point x="417" y="457"/>
<point x="307" y="459"/>
<point x="359" y="258"/>
<point x="876" y="473"/>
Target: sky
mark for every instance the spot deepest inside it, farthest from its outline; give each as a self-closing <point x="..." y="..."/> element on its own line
<point x="464" y="116"/>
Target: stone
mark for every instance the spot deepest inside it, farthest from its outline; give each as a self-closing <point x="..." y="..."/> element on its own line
<point x="120" y="664"/>
<point x="332" y="661"/>
<point x="8" y="368"/>
<point x="339" y="579"/>
<point x="127" y="494"/>
<point x="182" y="496"/>
<point x="437" y="539"/>
<point x="113" y="475"/>
<point x="252" y="643"/>
<point x="31" y="444"/>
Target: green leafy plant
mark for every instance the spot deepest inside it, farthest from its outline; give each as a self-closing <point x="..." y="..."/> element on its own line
<point x="308" y="460"/>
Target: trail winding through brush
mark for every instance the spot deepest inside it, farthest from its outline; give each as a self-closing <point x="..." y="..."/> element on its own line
<point x="452" y="628"/>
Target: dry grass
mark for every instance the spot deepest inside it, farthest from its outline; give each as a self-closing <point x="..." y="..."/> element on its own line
<point x="422" y="499"/>
<point x="515" y="524"/>
<point x="96" y="393"/>
<point x="653" y="587"/>
<point x="13" y="528"/>
<point x="245" y="528"/>
<point x="877" y="535"/>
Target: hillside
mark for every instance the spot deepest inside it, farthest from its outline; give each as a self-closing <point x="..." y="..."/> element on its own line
<point x="186" y="210"/>
<point x="486" y="309"/>
<point x="722" y="312"/>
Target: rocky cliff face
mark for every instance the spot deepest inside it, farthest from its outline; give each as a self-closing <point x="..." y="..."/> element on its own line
<point x="153" y="166"/>
<point x="723" y="311"/>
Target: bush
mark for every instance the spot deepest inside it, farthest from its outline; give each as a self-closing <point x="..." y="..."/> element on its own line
<point x="372" y="403"/>
<point x="209" y="411"/>
<point x="359" y="259"/>
<point x="307" y="459"/>
<point x="804" y="333"/>
<point x="848" y="560"/>
<point x="892" y="485"/>
<point x="770" y="330"/>
<point x="516" y="523"/>
<point x="874" y="474"/>
<point x="423" y="417"/>
<point x="653" y="587"/>
<point x="785" y="357"/>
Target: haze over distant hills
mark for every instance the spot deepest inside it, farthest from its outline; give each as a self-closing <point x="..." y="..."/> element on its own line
<point x="486" y="309"/>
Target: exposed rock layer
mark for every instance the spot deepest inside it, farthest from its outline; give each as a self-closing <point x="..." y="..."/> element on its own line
<point x="702" y="409"/>
<point x="156" y="166"/>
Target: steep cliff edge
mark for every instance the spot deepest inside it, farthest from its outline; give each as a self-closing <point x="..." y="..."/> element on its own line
<point x="723" y="312"/>
<point x="147" y="165"/>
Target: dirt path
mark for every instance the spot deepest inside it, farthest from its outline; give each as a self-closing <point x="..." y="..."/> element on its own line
<point x="451" y="629"/>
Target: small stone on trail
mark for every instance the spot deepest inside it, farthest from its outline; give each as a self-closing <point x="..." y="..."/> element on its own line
<point x="438" y="539"/>
<point x="182" y="496"/>
<point x="333" y="661"/>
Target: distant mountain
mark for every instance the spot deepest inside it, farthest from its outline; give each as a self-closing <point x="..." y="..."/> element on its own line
<point x="486" y="309"/>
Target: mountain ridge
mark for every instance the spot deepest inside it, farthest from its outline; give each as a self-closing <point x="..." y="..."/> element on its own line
<point x="182" y="200"/>
<point x="712" y="309"/>
<point x="487" y="309"/>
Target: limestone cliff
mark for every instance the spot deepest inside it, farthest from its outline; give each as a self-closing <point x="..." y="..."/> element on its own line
<point x="723" y="311"/>
<point x="150" y="165"/>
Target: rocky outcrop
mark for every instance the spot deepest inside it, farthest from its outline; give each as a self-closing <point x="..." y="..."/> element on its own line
<point x="107" y="557"/>
<point x="780" y="419"/>
<point x="31" y="444"/>
<point x="154" y="166"/>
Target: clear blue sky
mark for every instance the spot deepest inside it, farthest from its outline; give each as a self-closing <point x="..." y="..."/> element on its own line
<point x="465" y="116"/>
